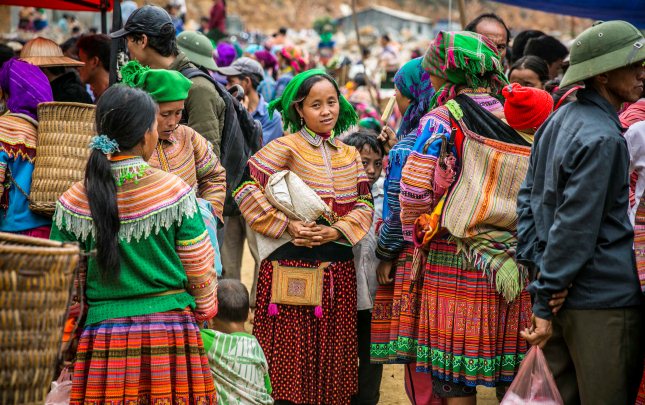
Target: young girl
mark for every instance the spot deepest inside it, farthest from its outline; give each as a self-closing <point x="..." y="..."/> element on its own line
<point x="152" y="275"/>
<point x="311" y="351"/>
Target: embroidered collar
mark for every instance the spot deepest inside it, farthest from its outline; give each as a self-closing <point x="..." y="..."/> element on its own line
<point x="128" y="168"/>
<point x="317" y="140"/>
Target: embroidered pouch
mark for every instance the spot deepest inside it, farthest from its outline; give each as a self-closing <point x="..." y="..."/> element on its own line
<point x="297" y="285"/>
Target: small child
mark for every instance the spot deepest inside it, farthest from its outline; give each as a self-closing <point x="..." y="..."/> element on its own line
<point x="365" y="260"/>
<point x="239" y="368"/>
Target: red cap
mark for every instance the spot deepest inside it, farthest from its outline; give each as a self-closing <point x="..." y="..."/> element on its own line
<point x="526" y="107"/>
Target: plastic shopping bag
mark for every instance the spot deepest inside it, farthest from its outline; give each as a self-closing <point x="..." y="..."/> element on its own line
<point x="61" y="389"/>
<point x="534" y="383"/>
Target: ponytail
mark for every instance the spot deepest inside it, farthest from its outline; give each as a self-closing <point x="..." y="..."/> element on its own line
<point x="101" y="194"/>
<point x="124" y="115"/>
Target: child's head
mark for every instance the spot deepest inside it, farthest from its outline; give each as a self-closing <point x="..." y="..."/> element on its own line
<point x="233" y="302"/>
<point x="371" y="150"/>
<point x="526" y="108"/>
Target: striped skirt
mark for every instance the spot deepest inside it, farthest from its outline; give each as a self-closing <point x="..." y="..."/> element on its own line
<point x="311" y="360"/>
<point x="395" y="316"/>
<point x="147" y="359"/>
<point x="468" y="333"/>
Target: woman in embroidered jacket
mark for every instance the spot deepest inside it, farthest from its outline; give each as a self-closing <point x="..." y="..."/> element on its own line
<point x="23" y="86"/>
<point x="311" y="351"/>
<point x="152" y="276"/>
<point x="473" y="302"/>
<point x="181" y="150"/>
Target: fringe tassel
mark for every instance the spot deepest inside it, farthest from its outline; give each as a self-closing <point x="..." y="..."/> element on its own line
<point x="261" y="177"/>
<point x="318" y="311"/>
<point x="273" y="309"/>
<point x="82" y="226"/>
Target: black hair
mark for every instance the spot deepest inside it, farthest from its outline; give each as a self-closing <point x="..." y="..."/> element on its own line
<point x="165" y="43"/>
<point x="538" y="65"/>
<point x="360" y="79"/>
<point x="365" y="137"/>
<point x="55" y="70"/>
<point x="305" y="87"/>
<point x="519" y="43"/>
<point x="283" y="30"/>
<point x="255" y="80"/>
<point x="488" y="16"/>
<point x="96" y="45"/>
<point x="123" y="114"/>
<point x="386" y="37"/>
<point x="232" y="301"/>
<point x="69" y="46"/>
<point x="547" y="48"/>
<point x="6" y="53"/>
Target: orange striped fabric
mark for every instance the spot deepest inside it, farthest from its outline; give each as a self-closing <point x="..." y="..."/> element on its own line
<point x="18" y="136"/>
<point x="332" y="169"/>
<point x="188" y="155"/>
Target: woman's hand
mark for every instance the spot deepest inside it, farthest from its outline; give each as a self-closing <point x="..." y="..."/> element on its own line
<point x="383" y="273"/>
<point x="388" y="138"/>
<point x="300" y="231"/>
<point x="321" y="234"/>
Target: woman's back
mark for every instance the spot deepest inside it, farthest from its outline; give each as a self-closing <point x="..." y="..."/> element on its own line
<point x="158" y="217"/>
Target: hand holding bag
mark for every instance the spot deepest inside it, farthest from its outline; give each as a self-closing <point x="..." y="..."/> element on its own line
<point x="534" y="383"/>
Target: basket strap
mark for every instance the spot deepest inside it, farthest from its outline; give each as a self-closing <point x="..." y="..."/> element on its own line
<point x="15" y="183"/>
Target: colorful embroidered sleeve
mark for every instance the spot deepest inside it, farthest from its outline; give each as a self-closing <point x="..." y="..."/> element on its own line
<point x="261" y="216"/>
<point x="390" y="238"/>
<point x="417" y="178"/>
<point x="4" y="161"/>
<point x="211" y="176"/>
<point x="357" y="222"/>
<point x="196" y="253"/>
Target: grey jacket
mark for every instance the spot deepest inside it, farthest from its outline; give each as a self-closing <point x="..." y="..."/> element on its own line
<point x="573" y="210"/>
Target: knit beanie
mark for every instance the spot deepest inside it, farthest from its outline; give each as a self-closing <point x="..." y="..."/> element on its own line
<point x="526" y="107"/>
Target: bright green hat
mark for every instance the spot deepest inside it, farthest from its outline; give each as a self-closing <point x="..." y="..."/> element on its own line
<point x="197" y="48"/>
<point x="163" y="85"/>
<point x="604" y="47"/>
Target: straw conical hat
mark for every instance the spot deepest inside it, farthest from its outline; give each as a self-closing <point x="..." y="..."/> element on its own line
<point x="44" y="52"/>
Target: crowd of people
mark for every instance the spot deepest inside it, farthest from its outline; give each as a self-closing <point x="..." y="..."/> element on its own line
<point x="496" y="205"/>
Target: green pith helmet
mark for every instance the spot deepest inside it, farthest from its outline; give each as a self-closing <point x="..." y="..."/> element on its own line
<point x="198" y="48"/>
<point x="604" y="47"/>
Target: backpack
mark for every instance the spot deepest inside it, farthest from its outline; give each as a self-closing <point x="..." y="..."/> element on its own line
<point x="241" y="138"/>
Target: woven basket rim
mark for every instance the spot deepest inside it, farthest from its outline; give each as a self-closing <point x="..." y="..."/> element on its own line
<point x="30" y="245"/>
<point x="65" y="103"/>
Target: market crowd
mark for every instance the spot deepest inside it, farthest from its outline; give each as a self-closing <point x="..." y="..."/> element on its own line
<point x="495" y="206"/>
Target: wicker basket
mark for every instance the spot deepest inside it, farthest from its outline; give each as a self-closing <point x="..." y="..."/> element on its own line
<point x="64" y="133"/>
<point x="35" y="281"/>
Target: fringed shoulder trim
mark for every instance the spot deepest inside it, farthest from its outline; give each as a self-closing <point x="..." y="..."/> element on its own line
<point x="143" y="210"/>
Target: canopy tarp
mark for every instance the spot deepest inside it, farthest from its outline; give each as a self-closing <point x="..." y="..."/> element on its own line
<point x="627" y="10"/>
<point x="73" y="5"/>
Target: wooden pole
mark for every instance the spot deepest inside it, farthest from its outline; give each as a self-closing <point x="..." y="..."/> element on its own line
<point x="118" y="44"/>
<point x="462" y="13"/>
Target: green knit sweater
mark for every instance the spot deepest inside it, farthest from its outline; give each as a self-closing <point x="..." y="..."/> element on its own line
<point x="155" y="255"/>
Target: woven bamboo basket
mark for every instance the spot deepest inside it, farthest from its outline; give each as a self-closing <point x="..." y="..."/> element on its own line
<point x="64" y="133"/>
<point x="35" y="280"/>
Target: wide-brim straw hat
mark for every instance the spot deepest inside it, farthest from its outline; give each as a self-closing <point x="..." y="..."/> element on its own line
<point x="44" y="52"/>
<point x="602" y="48"/>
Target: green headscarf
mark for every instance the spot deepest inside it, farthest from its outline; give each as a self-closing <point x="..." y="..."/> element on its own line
<point x="163" y="85"/>
<point x="286" y="104"/>
<point x="463" y="58"/>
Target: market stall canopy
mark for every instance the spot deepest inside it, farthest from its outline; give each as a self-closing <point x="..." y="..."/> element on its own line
<point x="632" y="11"/>
<point x="73" y="5"/>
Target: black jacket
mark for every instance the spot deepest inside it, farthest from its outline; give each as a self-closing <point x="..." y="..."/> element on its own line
<point x="573" y="221"/>
<point x="68" y="87"/>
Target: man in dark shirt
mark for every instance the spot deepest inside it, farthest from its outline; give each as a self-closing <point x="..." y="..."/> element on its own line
<point x="48" y="56"/>
<point x="574" y="227"/>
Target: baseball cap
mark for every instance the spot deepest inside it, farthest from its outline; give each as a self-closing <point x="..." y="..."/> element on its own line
<point x="243" y="66"/>
<point x="147" y="20"/>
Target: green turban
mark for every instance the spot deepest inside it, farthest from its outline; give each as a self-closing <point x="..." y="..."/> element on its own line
<point x="163" y="85"/>
<point x="286" y="104"/>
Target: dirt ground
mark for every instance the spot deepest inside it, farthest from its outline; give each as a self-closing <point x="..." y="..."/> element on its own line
<point x="392" y="390"/>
